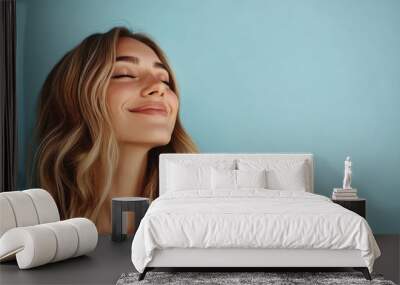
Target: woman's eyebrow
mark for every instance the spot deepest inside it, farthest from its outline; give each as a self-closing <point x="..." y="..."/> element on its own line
<point x="135" y="60"/>
<point x="128" y="58"/>
<point x="160" y="65"/>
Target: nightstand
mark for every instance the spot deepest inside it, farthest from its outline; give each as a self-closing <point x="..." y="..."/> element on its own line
<point x="120" y="205"/>
<point x="358" y="206"/>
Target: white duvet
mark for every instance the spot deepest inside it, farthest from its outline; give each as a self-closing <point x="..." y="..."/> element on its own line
<point x="250" y="218"/>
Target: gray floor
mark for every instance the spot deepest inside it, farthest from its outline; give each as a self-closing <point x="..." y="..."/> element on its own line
<point x="389" y="262"/>
<point x="110" y="260"/>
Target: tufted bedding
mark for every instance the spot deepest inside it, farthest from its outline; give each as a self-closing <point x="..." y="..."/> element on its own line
<point x="250" y="218"/>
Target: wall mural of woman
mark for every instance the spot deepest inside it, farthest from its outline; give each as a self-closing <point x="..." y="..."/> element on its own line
<point x="106" y="111"/>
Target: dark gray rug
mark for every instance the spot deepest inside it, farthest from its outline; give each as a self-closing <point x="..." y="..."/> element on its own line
<point x="229" y="278"/>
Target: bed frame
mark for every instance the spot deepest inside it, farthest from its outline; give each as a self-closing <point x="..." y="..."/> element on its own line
<point x="250" y="258"/>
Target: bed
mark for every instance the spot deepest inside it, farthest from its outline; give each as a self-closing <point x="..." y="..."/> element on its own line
<point x="245" y="211"/>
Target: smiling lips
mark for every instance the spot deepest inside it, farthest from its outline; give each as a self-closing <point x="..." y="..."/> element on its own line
<point x="151" y="109"/>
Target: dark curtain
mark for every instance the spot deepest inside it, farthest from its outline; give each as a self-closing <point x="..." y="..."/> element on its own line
<point x="8" y="139"/>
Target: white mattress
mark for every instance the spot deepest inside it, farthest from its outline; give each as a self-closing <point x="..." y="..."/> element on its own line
<point x="250" y="218"/>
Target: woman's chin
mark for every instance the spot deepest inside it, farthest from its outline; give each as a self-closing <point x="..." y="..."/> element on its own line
<point x="150" y="142"/>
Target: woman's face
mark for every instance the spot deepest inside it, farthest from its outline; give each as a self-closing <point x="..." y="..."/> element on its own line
<point x="143" y="108"/>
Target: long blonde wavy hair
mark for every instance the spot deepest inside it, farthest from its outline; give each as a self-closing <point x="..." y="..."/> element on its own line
<point x="77" y="151"/>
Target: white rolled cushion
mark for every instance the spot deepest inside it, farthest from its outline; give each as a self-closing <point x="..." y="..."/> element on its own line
<point x="67" y="240"/>
<point x="45" y="243"/>
<point x="281" y="174"/>
<point x="45" y="205"/>
<point x="183" y="177"/>
<point x="87" y="235"/>
<point x="23" y="208"/>
<point x="223" y="179"/>
<point x="251" y="178"/>
<point x="33" y="245"/>
<point x="7" y="218"/>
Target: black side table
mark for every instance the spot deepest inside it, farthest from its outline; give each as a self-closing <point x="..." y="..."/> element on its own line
<point x="138" y="205"/>
<point x="358" y="206"/>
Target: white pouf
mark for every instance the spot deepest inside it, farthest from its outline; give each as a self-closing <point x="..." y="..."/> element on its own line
<point x="40" y="244"/>
<point x="31" y="230"/>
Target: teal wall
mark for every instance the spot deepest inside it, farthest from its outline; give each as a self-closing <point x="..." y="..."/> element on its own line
<point x="256" y="76"/>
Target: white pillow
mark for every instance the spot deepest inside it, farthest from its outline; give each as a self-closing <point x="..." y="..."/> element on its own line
<point x="184" y="177"/>
<point x="183" y="174"/>
<point x="281" y="174"/>
<point x="290" y="179"/>
<point x="236" y="179"/>
<point x="223" y="178"/>
<point x="251" y="178"/>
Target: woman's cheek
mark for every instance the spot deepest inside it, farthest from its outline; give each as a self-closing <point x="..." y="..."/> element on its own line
<point x="112" y="103"/>
<point x="174" y="103"/>
<point x="116" y="96"/>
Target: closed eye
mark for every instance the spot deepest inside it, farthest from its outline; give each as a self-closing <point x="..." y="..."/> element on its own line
<point x="133" y="77"/>
<point x="123" y="75"/>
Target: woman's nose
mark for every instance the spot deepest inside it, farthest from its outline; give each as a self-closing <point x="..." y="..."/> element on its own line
<point x="155" y="87"/>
